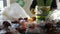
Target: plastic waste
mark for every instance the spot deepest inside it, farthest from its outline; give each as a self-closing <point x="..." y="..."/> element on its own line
<point x="55" y="15"/>
<point x="14" y="11"/>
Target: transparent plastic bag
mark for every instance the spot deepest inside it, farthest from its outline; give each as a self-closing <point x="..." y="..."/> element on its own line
<point x="14" y="11"/>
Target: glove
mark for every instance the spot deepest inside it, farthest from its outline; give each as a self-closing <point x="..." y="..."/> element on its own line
<point x="32" y="11"/>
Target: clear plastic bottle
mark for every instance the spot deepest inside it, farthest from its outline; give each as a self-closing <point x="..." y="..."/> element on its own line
<point x="38" y="12"/>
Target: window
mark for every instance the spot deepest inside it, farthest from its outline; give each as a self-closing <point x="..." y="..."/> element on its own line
<point x="3" y="3"/>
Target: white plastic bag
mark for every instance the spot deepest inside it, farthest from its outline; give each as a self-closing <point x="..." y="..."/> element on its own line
<point x="55" y="15"/>
<point x="15" y="11"/>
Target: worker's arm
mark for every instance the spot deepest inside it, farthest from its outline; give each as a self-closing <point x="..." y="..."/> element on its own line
<point x="32" y="7"/>
<point x="53" y="5"/>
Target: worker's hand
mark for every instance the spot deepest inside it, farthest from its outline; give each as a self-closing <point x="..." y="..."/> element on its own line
<point x="32" y="11"/>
